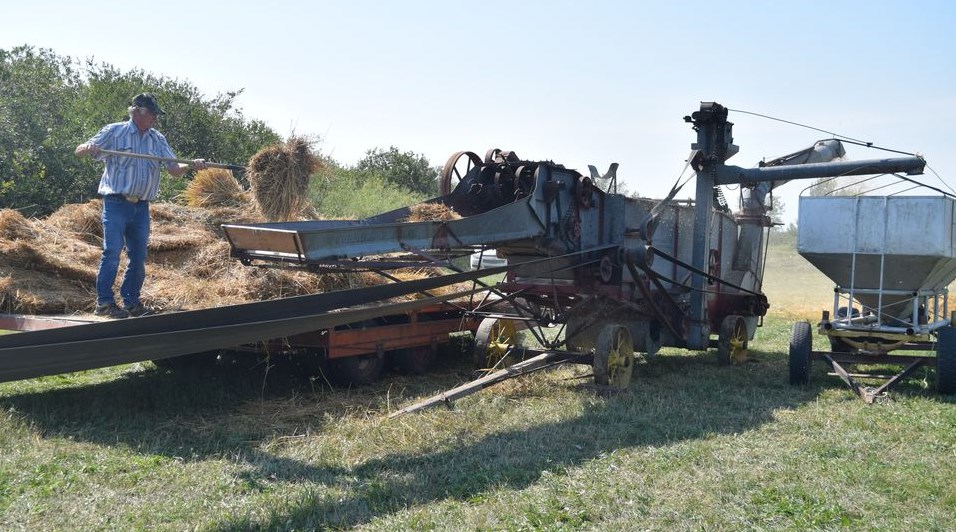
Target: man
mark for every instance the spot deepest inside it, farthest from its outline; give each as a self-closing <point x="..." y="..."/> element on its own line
<point x="127" y="186"/>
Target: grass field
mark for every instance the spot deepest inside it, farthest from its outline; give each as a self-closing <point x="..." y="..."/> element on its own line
<point x="690" y="445"/>
<point x="794" y="287"/>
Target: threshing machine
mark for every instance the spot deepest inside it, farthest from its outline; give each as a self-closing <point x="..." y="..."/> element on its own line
<point x="619" y="274"/>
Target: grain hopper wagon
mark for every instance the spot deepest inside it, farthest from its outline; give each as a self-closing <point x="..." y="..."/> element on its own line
<point x="891" y="259"/>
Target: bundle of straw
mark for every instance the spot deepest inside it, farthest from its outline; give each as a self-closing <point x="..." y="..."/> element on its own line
<point x="279" y="178"/>
<point x="215" y="187"/>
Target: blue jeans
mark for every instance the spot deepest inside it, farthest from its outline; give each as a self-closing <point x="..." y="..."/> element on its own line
<point x="126" y="225"/>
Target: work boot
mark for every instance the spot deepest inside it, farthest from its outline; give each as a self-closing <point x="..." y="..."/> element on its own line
<point x="110" y="310"/>
<point x="139" y="309"/>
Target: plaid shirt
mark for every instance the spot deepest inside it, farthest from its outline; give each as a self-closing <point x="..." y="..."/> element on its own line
<point x="127" y="175"/>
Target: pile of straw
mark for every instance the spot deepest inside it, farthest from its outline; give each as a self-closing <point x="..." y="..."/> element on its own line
<point x="279" y="178"/>
<point x="49" y="265"/>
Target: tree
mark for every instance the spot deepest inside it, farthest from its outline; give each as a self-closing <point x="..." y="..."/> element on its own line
<point x="835" y="186"/>
<point x="777" y="210"/>
<point x="37" y="90"/>
<point x="405" y="169"/>
<point x="49" y="104"/>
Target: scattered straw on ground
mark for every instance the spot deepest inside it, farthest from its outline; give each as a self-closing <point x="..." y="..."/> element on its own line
<point x="279" y="178"/>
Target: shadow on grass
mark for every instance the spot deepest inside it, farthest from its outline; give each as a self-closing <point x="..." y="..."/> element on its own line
<point x="190" y="414"/>
<point x="663" y="407"/>
<point x="197" y="416"/>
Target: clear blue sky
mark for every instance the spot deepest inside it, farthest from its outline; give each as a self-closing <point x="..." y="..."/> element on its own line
<point x="575" y="82"/>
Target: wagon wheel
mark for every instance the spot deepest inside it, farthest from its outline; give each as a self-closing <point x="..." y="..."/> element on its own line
<point x="360" y="369"/>
<point x="946" y="361"/>
<point x="801" y="344"/>
<point x="493" y="340"/>
<point x="414" y="360"/>
<point x="614" y="357"/>
<point x="457" y="167"/>
<point x="732" y="341"/>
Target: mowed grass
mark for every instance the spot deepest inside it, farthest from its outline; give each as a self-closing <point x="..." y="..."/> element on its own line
<point x="690" y="445"/>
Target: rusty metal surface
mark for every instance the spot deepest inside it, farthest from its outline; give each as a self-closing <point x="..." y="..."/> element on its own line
<point x="385" y="337"/>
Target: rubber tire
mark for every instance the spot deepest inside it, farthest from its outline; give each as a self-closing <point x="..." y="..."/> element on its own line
<point x="801" y="345"/>
<point x="613" y="338"/>
<point x="946" y="361"/>
<point x="414" y="360"/>
<point x="731" y="327"/>
<point x="357" y="370"/>
<point x="196" y="361"/>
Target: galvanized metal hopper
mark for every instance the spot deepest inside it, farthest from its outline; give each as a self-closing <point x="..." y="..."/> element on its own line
<point x="894" y="255"/>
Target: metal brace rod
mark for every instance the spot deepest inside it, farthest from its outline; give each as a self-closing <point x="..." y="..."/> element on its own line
<point x="869" y="396"/>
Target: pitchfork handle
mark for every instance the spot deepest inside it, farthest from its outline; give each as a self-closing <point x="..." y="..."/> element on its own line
<point x="169" y="160"/>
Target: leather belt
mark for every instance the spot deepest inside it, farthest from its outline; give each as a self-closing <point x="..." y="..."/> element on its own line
<point x="129" y="198"/>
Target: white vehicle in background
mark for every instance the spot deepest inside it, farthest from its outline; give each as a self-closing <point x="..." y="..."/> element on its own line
<point x="487" y="259"/>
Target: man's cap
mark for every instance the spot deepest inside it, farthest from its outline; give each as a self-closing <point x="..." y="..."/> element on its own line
<point x="147" y="100"/>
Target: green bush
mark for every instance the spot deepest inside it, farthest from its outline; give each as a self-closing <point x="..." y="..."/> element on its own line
<point x="348" y="193"/>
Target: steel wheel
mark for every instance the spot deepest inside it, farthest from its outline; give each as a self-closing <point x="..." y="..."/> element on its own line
<point x="801" y="344"/>
<point x="457" y="167"/>
<point x="614" y="357"/>
<point x="732" y="341"/>
<point x="946" y="361"/>
<point x="493" y="340"/>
